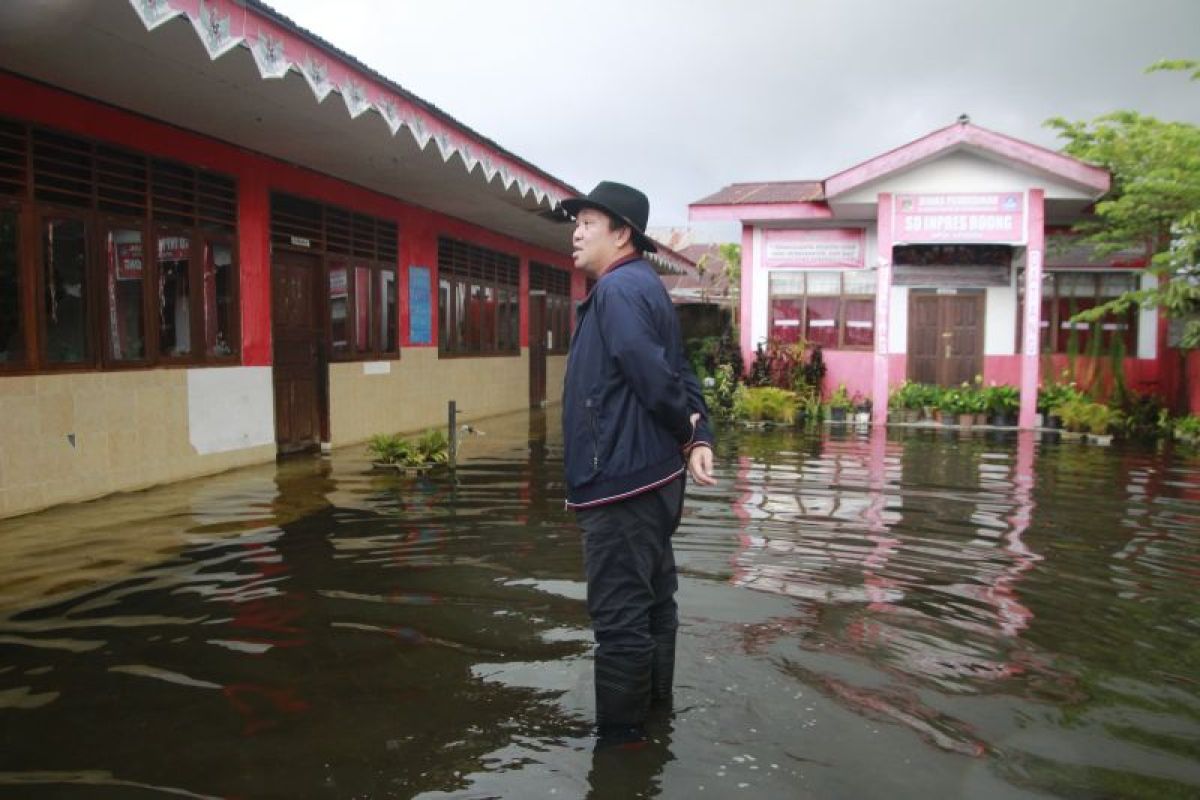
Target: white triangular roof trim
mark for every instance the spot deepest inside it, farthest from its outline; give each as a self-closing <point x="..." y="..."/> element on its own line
<point x="222" y="25"/>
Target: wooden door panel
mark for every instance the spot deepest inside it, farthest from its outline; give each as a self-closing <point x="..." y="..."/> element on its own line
<point x="537" y="350"/>
<point x="924" y="338"/>
<point x="295" y="366"/>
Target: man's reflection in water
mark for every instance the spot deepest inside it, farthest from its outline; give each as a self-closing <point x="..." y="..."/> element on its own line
<point x="632" y="769"/>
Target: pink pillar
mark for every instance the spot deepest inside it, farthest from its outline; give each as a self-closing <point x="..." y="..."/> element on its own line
<point x="1031" y="329"/>
<point x="883" y="305"/>
<point x="745" y="299"/>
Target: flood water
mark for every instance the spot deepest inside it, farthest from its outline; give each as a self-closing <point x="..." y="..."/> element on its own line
<point x="913" y="614"/>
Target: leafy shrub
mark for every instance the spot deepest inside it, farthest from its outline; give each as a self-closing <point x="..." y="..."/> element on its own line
<point x="391" y="448"/>
<point x="1002" y="399"/>
<point x="1187" y="429"/>
<point x="765" y="404"/>
<point x="1082" y="415"/>
<point x="841" y="398"/>
<point x="719" y="392"/>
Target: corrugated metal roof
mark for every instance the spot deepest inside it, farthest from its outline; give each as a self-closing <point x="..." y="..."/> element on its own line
<point x="766" y="192"/>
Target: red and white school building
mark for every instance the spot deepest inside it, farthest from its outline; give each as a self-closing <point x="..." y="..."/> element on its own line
<point x="941" y="260"/>
<point x="222" y="239"/>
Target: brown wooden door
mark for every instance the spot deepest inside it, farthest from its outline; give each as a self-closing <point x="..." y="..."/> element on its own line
<point x="298" y="369"/>
<point x="945" y="338"/>
<point x="537" y="349"/>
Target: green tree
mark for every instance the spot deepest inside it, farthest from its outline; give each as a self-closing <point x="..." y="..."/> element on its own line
<point x="1153" y="206"/>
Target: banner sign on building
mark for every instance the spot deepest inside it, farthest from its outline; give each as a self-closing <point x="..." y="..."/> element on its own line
<point x="420" y="330"/>
<point x="978" y="218"/>
<point x="837" y="248"/>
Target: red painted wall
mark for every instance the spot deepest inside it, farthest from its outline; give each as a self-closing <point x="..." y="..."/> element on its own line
<point x="257" y="176"/>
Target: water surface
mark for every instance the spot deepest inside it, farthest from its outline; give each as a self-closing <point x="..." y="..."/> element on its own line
<point x="864" y="615"/>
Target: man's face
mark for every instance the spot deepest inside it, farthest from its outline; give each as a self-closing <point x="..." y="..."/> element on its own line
<point x="593" y="245"/>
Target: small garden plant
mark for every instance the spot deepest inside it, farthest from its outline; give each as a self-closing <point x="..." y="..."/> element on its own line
<point x="430" y="449"/>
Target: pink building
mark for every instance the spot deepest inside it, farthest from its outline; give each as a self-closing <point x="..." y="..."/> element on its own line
<point x="941" y="260"/>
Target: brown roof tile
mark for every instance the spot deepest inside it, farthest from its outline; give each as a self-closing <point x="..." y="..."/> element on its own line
<point x="765" y="192"/>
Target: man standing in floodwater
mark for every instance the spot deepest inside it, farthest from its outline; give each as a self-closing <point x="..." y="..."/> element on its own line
<point x="634" y="421"/>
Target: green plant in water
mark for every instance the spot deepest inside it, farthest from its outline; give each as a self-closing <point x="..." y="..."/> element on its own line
<point x="765" y="404"/>
<point x="719" y="391"/>
<point x="1002" y="399"/>
<point x="1187" y="429"/>
<point x="391" y="448"/>
<point x="1081" y="415"/>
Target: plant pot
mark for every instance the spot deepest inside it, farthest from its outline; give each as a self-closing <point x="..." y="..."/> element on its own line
<point x="405" y="469"/>
<point x="862" y="417"/>
<point x="1054" y="422"/>
<point x="1004" y="420"/>
<point x="1102" y="439"/>
<point x="1071" y="436"/>
<point x="981" y="419"/>
<point x="910" y="415"/>
<point x="837" y="415"/>
<point x="966" y="420"/>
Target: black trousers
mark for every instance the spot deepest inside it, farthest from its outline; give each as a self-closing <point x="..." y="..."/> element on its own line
<point x="631" y="584"/>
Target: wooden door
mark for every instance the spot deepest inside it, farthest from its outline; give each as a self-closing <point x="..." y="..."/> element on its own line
<point x="298" y="369"/>
<point x="945" y="337"/>
<point x="537" y="349"/>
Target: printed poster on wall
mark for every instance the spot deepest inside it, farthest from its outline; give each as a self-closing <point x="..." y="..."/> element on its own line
<point x="972" y="218"/>
<point x="830" y="248"/>
<point x="420" y="329"/>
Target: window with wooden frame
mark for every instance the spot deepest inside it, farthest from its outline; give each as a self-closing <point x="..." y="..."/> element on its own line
<point x="478" y="300"/>
<point x="835" y="310"/>
<point x="361" y="251"/>
<point x="1065" y="293"/>
<point x="556" y="283"/>
<point x="107" y="274"/>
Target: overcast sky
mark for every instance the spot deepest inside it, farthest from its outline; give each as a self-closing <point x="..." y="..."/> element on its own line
<point x="682" y="97"/>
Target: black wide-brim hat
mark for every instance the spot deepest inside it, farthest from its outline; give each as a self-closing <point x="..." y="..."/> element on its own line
<point x="625" y="203"/>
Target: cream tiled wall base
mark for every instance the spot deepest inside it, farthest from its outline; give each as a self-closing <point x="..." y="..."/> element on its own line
<point x="412" y="394"/>
<point x="65" y="438"/>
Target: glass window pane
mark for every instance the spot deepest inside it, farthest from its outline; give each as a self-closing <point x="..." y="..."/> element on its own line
<point x="12" y="341"/>
<point x="514" y="319"/>
<point x="64" y="263"/>
<point x="827" y="284"/>
<point x="822" y="323"/>
<point x="444" y="314"/>
<point x="339" y="324"/>
<point x="786" y="319"/>
<point x="125" y="276"/>
<point x="218" y="299"/>
<point x="459" y="334"/>
<point x="174" y="296"/>
<point x="362" y="309"/>
<point x="387" y="310"/>
<point x="860" y="323"/>
<point x="1076" y="284"/>
<point x="1116" y="284"/>
<point x="488" y="320"/>
<point x="859" y="282"/>
<point x="791" y="282"/>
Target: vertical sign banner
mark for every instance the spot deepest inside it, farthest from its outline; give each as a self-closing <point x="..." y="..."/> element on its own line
<point x="829" y="248"/>
<point x="420" y="330"/>
<point x="976" y="218"/>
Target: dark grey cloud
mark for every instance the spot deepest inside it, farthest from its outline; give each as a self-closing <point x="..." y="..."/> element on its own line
<point x="682" y="98"/>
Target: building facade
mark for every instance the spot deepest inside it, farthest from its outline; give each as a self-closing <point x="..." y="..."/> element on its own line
<point x="942" y="260"/>
<point x="222" y="239"/>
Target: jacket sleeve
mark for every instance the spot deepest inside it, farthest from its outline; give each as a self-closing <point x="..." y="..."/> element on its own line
<point x="702" y="435"/>
<point x="634" y="342"/>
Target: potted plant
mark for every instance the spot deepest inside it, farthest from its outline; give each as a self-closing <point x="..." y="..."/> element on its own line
<point x="951" y="406"/>
<point x="906" y="400"/>
<point x="1002" y="402"/>
<point x="862" y="408"/>
<point x="1051" y="396"/>
<point x="839" y="403"/>
<point x="1100" y="421"/>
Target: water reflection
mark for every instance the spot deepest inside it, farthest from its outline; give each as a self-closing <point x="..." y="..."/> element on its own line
<point x="1010" y="615"/>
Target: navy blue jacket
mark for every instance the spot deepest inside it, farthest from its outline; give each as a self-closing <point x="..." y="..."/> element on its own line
<point x="629" y="392"/>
